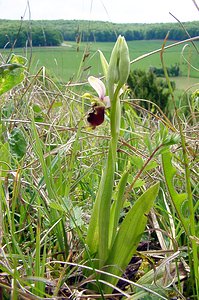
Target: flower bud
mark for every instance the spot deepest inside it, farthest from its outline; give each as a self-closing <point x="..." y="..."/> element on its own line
<point x="124" y="62"/>
<point x="119" y="66"/>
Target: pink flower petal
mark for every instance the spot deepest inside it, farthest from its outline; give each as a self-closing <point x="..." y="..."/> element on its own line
<point x="107" y="101"/>
<point x="98" y="86"/>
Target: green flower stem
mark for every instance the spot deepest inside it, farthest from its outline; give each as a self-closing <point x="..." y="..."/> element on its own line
<point x="115" y="115"/>
<point x="105" y="205"/>
<point x="98" y="231"/>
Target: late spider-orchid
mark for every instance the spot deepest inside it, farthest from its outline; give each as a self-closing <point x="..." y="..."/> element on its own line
<point x="96" y="115"/>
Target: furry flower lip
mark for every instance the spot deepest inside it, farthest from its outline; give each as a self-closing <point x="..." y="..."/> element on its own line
<point x="95" y="116"/>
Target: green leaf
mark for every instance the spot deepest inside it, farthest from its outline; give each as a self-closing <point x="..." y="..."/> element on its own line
<point x="17" y="143"/>
<point x="137" y="161"/>
<point x="4" y="159"/>
<point x="12" y="73"/>
<point x="151" y="165"/>
<point x="177" y="199"/>
<point x="57" y="206"/>
<point x="10" y="76"/>
<point x="77" y="220"/>
<point x="104" y="63"/>
<point x="37" y="108"/>
<point x="17" y="59"/>
<point x="139" y="183"/>
<point x="129" y="234"/>
<point x="101" y="211"/>
<point x="116" y="207"/>
<point x="74" y="212"/>
<point x="7" y="109"/>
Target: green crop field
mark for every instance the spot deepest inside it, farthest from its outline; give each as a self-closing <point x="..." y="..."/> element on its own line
<point x="71" y="61"/>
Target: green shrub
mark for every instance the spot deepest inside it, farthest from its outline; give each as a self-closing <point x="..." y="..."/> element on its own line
<point x="145" y="85"/>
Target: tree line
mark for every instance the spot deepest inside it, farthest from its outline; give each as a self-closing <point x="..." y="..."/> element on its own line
<point x="16" y="34"/>
<point x="54" y="32"/>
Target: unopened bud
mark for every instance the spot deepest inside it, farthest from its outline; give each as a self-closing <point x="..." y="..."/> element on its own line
<point x="119" y="66"/>
<point x="124" y="62"/>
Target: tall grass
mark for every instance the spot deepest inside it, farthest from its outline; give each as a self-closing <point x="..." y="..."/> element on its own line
<point x="54" y="196"/>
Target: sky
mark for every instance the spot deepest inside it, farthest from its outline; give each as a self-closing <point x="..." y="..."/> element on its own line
<point x="117" y="11"/>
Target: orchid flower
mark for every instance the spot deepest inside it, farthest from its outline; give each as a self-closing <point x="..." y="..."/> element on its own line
<point x="100" y="88"/>
<point x="95" y="116"/>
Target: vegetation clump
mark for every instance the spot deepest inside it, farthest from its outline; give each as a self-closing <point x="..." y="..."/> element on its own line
<point x="97" y="208"/>
<point x="149" y="90"/>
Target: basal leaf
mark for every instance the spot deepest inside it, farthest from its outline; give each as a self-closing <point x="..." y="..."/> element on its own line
<point x="101" y="207"/>
<point x="130" y="233"/>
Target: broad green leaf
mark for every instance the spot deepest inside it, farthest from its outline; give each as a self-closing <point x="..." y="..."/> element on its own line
<point x="10" y="76"/>
<point x="18" y="59"/>
<point x="177" y="199"/>
<point x="12" y="73"/>
<point x="101" y="208"/>
<point x="17" y="143"/>
<point x="129" y="234"/>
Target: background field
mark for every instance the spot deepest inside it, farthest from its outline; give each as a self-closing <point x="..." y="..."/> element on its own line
<point x="64" y="62"/>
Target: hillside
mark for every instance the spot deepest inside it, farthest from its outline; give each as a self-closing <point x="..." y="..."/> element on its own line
<point x="54" y="32"/>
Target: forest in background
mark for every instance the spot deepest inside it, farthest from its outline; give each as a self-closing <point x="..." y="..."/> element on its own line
<point x="20" y="33"/>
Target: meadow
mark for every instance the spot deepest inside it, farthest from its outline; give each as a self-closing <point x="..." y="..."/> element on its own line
<point x="98" y="194"/>
<point x="73" y="61"/>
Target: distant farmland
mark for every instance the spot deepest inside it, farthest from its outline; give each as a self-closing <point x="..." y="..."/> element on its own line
<point x="72" y="61"/>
